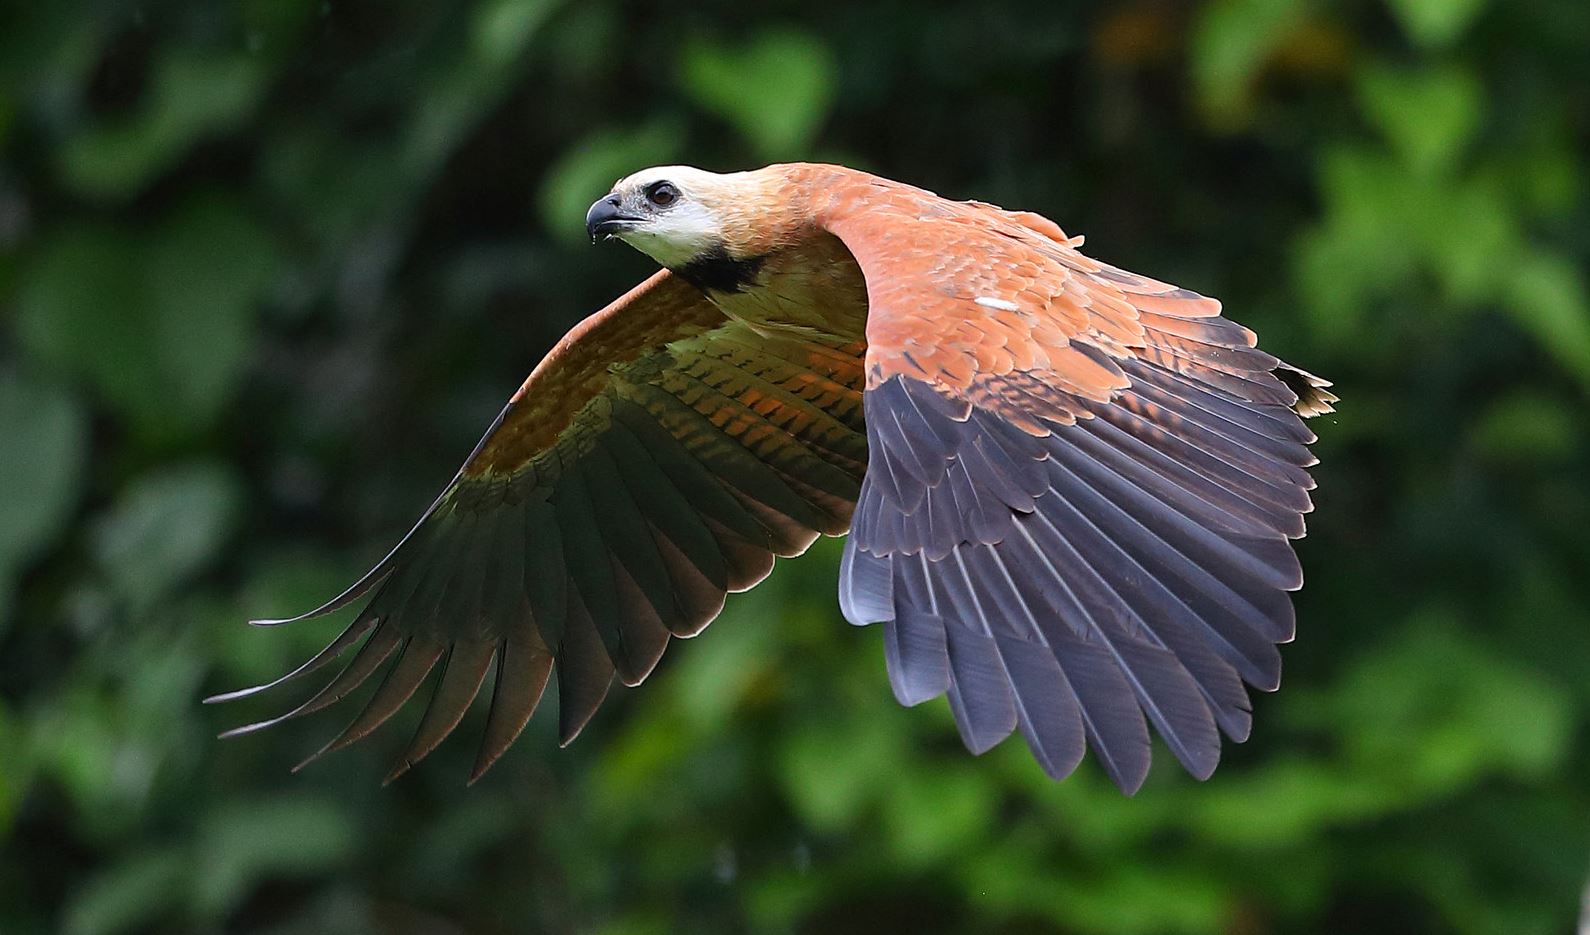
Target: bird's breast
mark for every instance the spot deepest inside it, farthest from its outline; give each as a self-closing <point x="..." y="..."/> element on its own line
<point x="813" y="291"/>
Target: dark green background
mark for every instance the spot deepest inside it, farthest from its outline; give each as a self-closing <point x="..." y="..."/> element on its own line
<point x="268" y="268"/>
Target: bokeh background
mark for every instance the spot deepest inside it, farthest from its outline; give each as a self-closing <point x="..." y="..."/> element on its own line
<point x="267" y="268"/>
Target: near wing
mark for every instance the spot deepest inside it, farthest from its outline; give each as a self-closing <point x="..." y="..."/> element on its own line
<point x="659" y="457"/>
<point x="1080" y="491"/>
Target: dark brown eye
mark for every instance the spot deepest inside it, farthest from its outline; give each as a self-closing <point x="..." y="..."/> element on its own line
<point x="662" y="194"/>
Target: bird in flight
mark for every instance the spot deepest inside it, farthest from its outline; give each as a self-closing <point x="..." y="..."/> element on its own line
<point x="1069" y="489"/>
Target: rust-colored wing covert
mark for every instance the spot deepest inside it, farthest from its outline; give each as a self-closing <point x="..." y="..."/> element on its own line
<point x="658" y="458"/>
<point x="1080" y="490"/>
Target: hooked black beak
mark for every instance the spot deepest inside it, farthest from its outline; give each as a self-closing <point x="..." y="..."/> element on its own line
<point x="606" y="218"/>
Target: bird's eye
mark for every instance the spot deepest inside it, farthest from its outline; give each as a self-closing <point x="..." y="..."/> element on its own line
<point x="662" y="194"/>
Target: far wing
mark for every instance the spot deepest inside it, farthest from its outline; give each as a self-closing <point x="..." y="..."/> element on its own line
<point x="660" y="457"/>
<point x="1080" y="492"/>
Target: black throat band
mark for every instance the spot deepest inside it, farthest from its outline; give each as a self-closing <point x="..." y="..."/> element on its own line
<point x="716" y="271"/>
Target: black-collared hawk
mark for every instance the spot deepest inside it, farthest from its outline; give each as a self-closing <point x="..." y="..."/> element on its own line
<point x="1069" y="489"/>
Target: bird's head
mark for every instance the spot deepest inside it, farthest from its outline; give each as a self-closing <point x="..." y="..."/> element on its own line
<point x="677" y="214"/>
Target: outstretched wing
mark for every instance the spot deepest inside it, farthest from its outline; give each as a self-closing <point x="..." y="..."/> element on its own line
<point x="658" y="458"/>
<point x="1080" y="490"/>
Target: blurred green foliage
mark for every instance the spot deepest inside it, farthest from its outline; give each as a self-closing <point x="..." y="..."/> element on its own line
<point x="268" y="267"/>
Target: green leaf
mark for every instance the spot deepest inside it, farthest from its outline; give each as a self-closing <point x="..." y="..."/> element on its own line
<point x="131" y="894"/>
<point x="247" y="843"/>
<point x="159" y="322"/>
<point x="192" y="96"/>
<point x="776" y="89"/>
<point x="455" y="98"/>
<point x="716" y="677"/>
<point x="1386" y="224"/>
<point x="42" y="457"/>
<point x="17" y="755"/>
<point x="1433" y="711"/>
<point x="1526" y="427"/>
<point x="165" y="527"/>
<point x="501" y="28"/>
<point x="1288" y="802"/>
<point x="1436" y="22"/>
<point x="1470" y="232"/>
<point x="830" y="789"/>
<point x="1363" y="247"/>
<point x="586" y="172"/>
<point x="1429" y="115"/>
<point x="934" y="815"/>
<point x="1231" y="42"/>
<point x="1155" y="895"/>
<point x="1548" y="297"/>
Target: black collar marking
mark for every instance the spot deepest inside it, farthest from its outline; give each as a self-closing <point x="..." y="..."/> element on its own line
<point x="716" y="271"/>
